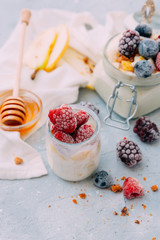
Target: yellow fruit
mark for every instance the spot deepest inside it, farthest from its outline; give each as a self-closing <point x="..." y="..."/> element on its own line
<point x="59" y="47"/>
<point x="38" y="52"/>
<point x="126" y="66"/>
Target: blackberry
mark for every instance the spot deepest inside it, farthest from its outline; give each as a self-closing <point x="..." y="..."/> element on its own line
<point x="102" y="179"/>
<point x="91" y="106"/>
<point x="128" y="43"/>
<point x="146" y="130"/>
<point x="129" y="152"/>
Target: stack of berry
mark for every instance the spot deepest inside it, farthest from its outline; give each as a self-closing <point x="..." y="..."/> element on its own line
<point x="142" y="54"/>
<point x="70" y="127"/>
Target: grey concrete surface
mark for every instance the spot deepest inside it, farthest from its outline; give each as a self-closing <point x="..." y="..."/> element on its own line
<point x="24" y="204"/>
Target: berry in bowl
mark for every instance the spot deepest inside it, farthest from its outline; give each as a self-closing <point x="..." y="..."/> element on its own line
<point x="73" y="141"/>
<point x="134" y="58"/>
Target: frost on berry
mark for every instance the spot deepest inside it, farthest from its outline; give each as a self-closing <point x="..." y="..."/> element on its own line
<point x="83" y="133"/>
<point x="82" y="117"/>
<point x="132" y="188"/>
<point x="64" y="137"/>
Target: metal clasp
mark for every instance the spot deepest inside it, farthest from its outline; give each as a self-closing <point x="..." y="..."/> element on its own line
<point x="110" y="109"/>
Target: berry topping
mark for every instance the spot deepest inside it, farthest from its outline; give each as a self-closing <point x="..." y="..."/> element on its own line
<point x="102" y="179"/>
<point x="83" y="133"/>
<point x="129" y="152"/>
<point x="143" y="68"/>
<point x="128" y="43"/>
<point x="64" y="137"/>
<point x="82" y="117"/>
<point x="63" y="118"/>
<point x="90" y="106"/>
<point x="158" y="62"/>
<point x="146" y="130"/>
<point x="144" y="30"/>
<point x="148" y="48"/>
<point x="132" y="188"/>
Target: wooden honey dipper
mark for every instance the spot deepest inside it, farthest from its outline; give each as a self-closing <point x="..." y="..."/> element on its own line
<point x="13" y="111"/>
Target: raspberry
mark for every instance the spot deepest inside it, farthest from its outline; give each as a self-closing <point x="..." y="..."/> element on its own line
<point x="63" y="118"/>
<point x="83" y="133"/>
<point x="82" y="117"/>
<point x="128" y="43"/>
<point x="64" y="137"/>
<point x="132" y="188"/>
<point x="129" y="152"/>
<point x="158" y="62"/>
<point x="90" y="106"/>
<point x="146" y="130"/>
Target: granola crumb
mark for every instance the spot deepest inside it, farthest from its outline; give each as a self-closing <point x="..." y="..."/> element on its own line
<point x="123" y="178"/>
<point x="87" y="201"/>
<point x="154" y="188"/>
<point x="116" y="188"/>
<point x="74" y="201"/>
<point x="137" y="221"/>
<point x="100" y="195"/>
<point x="82" y="195"/>
<point x="131" y="206"/>
<point x="18" y="160"/>
<point x="144" y="206"/>
<point x="144" y="178"/>
<point x="154" y="238"/>
<point x="85" y="60"/>
<point x="147" y="191"/>
<point x="150" y="214"/>
<point x="124" y="212"/>
<point x="59" y="197"/>
<point x="115" y="213"/>
<point x="49" y="206"/>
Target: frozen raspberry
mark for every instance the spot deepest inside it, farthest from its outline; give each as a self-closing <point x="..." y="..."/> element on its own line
<point x="128" y="43"/>
<point x="54" y="129"/>
<point x="146" y="130"/>
<point x="132" y="188"/>
<point x="90" y="106"/>
<point x="82" y="117"/>
<point x="83" y="133"/>
<point x="64" y="137"/>
<point x="129" y="152"/>
<point x="63" y="119"/>
<point x="158" y="62"/>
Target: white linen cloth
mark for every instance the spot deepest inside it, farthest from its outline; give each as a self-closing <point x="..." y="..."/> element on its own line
<point x="54" y="88"/>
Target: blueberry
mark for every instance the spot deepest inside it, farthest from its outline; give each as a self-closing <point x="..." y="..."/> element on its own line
<point x="148" y="48"/>
<point x="144" y="30"/>
<point x="102" y="179"/>
<point x="143" y="69"/>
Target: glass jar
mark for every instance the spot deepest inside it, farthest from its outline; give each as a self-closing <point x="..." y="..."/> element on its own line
<point x="74" y="162"/>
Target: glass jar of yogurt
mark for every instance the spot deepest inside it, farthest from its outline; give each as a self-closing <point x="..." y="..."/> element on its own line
<point x="74" y="162"/>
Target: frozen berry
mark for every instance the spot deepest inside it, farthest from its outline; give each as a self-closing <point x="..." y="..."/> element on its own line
<point x="64" y="137"/>
<point x="63" y="118"/>
<point x="129" y="152"/>
<point x="82" y="117"/>
<point x="144" y="30"/>
<point x="128" y="43"/>
<point x="83" y="133"/>
<point x="158" y="62"/>
<point x="102" y="179"/>
<point x="146" y="130"/>
<point x="143" y="68"/>
<point x="90" y="106"/>
<point x="148" y="48"/>
<point x="132" y="188"/>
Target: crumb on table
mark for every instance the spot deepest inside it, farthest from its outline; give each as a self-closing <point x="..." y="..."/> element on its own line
<point x="154" y="188"/>
<point x="115" y="213"/>
<point x="144" y="206"/>
<point x="124" y="212"/>
<point x="82" y="195"/>
<point x="18" y="160"/>
<point x="74" y="201"/>
<point x="123" y="178"/>
<point x="137" y="221"/>
<point x="116" y="188"/>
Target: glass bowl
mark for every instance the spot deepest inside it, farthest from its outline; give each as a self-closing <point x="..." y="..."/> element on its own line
<point x="33" y="106"/>
<point x="74" y="162"/>
<point x="109" y="57"/>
